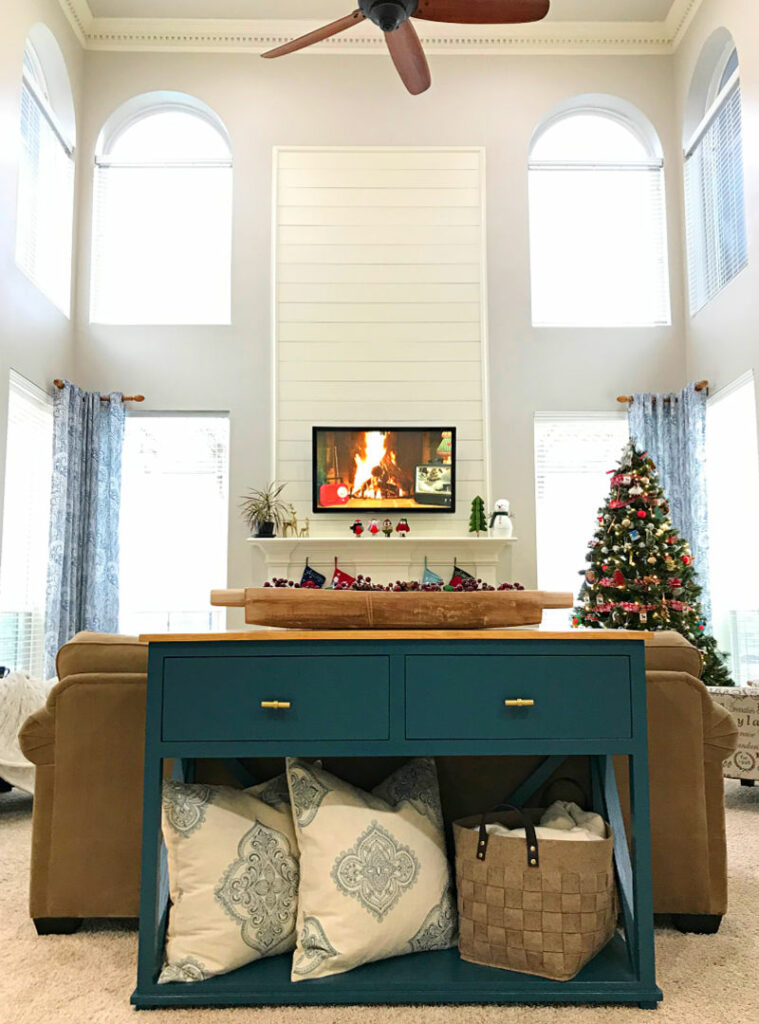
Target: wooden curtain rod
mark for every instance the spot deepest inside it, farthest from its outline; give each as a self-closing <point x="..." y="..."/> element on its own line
<point x="702" y="385"/>
<point x="127" y="398"/>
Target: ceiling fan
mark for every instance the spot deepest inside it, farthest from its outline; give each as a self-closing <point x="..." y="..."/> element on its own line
<point x="393" y="17"/>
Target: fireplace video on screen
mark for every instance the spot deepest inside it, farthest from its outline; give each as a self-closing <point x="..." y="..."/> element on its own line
<point x="384" y="469"/>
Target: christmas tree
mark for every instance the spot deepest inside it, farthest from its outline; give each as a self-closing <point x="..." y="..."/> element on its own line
<point x="641" y="573"/>
<point x="477" y="522"/>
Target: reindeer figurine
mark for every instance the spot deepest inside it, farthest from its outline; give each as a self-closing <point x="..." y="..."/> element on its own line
<point x="290" y="526"/>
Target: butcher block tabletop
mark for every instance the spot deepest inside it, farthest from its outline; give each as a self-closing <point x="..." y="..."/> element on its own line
<point x="507" y="633"/>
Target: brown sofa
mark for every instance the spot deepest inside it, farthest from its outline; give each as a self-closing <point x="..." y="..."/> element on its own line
<point x="87" y="743"/>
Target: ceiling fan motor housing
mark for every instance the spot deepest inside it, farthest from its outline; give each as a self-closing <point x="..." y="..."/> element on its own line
<point x="388" y="14"/>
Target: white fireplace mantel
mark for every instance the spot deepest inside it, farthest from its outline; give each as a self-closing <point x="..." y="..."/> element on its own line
<point x="384" y="559"/>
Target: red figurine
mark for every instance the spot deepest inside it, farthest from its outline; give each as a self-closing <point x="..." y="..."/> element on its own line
<point x="403" y="527"/>
<point x="358" y="528"/>
<point x="374" y="528"/>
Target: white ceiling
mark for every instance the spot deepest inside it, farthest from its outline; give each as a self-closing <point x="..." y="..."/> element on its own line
<point x="327" y="10"/>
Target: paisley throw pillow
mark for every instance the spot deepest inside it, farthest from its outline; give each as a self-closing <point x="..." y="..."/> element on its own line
<point x="375" y="880"/>
<point x="233" y="877"/>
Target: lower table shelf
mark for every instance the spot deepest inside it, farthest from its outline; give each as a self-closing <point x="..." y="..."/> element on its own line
<point x="441" y="977"/>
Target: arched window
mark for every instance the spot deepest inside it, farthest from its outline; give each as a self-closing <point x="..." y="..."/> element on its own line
<point x="714" y="200"/>
<point x="162" y="223"/>
<point x="598" y="236"/>
<point x="45" y="209"/>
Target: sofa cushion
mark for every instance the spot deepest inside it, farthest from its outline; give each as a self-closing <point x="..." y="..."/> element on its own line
<point x="101" y="652"/>
<point x="668" y="651"/>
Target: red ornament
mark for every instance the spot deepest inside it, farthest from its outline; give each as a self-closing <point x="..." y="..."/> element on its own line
<point x="619" y="580"/>
<point x="687" y="559"/>
<point x="641" y="513"/>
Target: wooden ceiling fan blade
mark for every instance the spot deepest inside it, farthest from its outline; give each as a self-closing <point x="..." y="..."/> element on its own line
<point x="317" y="36"/>
<point x="482" y="12"/>
<point x="409" y="58"/>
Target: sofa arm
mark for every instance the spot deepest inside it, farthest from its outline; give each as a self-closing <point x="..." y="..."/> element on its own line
<point x="36" y="737"/>
<point x="720" y="733"/>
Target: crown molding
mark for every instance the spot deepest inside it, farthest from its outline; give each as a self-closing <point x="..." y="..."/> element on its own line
<point x="681" y="14"/>
<point x="80" y="18"/>
<point x="219" y="35"/>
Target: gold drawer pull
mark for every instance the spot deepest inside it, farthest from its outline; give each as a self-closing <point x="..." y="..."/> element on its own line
<point x="276" y="705"/>
<point x="519" y="702"/>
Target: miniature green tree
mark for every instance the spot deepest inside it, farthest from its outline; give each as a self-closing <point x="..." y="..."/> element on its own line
<point x="641" y="573"/>
<point x="477" y="521"/>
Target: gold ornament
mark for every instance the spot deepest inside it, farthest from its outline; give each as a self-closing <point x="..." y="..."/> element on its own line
<point x="651" y="560"/>
<point x="626" y="523"/>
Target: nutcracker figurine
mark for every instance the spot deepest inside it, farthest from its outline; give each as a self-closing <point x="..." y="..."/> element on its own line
<point x="387" y="527"/>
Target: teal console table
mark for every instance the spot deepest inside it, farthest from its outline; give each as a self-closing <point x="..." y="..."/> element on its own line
<point x="503" y="692"/>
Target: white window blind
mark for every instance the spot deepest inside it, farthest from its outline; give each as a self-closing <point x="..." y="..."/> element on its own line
<point x="598" y="239"/>
<point x="573" y="454"/>
<point x="162" y="229"/>
<point x="732" y="477"/>
<point x="45" y="208"/>
<point x="26" y="525"/>
<point x="715" y="210"/>
<point x="174" y="511"/>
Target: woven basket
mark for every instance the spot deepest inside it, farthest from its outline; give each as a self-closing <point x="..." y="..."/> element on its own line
<point x="540" y="908"/>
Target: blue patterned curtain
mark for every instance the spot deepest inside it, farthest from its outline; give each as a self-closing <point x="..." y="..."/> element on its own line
<point x="674" y="435"/>
<point x="83" y="571"/>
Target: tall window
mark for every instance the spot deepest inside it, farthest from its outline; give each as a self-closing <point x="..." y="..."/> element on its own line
<point x="45" y="208"/>
<point x="573" y="454"/>
<point x="174" y="511"/>
<point x="162" y="230"/>
<point x="732" y="476"/>
<point x="26" y="524"/>
<point x="715" y="211"/>
<point x="598" y="238"/>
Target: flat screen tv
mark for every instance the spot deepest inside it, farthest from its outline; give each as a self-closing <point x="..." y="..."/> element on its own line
<point x="384" y="469"/>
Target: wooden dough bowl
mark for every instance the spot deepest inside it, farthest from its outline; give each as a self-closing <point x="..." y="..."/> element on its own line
<point x="352" y="609"/>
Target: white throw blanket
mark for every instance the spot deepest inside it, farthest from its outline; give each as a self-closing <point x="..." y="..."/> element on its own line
<point x="20" y="696"/>
<point x="561" y="820"/>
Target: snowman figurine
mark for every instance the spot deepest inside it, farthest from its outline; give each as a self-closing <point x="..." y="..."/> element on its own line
<point x="501" y="524"/>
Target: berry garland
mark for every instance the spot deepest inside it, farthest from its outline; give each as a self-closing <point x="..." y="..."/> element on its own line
<point x="364" y="583"/>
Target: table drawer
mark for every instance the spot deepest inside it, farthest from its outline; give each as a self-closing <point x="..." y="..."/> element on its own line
<point x="331" y="698"/>
<point x="462" y="697"/>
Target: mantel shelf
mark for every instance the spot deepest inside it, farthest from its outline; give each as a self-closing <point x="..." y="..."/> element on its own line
<point x="393" y="557"/>
<point x="419" y="541"/>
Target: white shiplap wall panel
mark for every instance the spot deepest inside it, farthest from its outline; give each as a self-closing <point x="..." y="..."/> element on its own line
<point x="379" y="318"/>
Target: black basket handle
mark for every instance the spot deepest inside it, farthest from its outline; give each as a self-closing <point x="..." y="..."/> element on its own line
<point x="531" y="843"/>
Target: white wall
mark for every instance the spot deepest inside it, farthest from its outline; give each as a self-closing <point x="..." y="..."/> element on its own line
<point x="380" y="265"/>
<point x="36" y="339"/>
<point x="493" y="102"/>
<point x="722" y="340"/>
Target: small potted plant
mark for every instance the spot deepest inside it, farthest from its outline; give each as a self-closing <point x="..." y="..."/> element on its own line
<point x="264" y="511"/>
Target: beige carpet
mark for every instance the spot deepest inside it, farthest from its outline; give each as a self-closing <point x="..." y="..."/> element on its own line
<point x="87" y="978"/>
